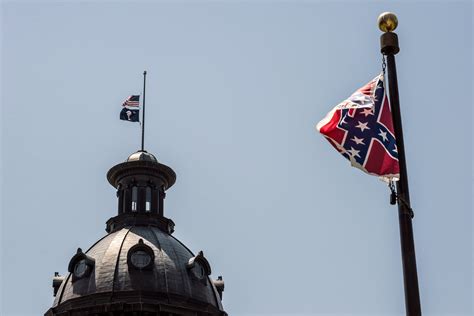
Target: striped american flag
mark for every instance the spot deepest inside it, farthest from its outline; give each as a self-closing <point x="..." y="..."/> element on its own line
<point x="132" y="101"/>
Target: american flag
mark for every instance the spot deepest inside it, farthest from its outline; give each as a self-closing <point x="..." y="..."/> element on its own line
<point x="361" y="129"/>
<point x="132" y="101"/>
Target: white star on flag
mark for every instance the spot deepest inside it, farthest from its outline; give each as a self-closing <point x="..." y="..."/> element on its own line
<point x="362" y="126"/>
<point x="358" y="141"/>
<point x="383" y="135"/>
<point x="353" y="152"/>
<point x="367" y="112"/>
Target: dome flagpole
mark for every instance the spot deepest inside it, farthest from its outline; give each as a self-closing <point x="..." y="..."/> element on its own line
<point x="143" y="114"/>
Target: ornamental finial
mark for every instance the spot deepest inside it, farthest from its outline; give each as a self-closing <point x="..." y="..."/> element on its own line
<point x="387" y="21"/>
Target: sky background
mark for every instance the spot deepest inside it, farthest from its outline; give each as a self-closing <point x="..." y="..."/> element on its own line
<point x="234" y="92"/>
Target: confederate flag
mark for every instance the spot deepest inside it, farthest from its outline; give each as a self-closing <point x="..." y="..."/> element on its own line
<point x="361" y="129"/>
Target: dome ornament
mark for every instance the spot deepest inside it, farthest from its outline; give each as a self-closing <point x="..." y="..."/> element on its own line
<point x="219" y="285"/>
<point x="142" y="155"/>
<point x="57" y="281"/>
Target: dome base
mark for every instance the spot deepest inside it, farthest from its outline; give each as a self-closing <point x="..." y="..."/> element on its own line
<point x="134" y="303"/>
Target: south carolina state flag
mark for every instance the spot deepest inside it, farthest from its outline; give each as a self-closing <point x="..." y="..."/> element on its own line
<point x="361" y="129"/>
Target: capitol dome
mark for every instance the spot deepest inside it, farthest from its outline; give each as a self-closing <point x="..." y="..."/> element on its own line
<point x="139" y="267"/>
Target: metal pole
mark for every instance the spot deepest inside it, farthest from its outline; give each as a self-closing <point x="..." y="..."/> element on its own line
<point x="389" y="47"/>
<point x="143" y="114"/>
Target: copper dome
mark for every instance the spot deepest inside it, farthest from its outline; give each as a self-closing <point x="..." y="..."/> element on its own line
<point x="169" y="285"/>
<point x="138" y="268"/>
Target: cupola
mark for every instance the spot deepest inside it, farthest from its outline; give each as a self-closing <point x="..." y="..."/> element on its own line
<point x="141" y="182"/>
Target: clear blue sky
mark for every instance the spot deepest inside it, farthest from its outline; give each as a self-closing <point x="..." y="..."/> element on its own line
<point x="234" y="91"/>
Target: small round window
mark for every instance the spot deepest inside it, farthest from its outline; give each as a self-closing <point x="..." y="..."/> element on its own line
<point x="198" y="270"/>
<point x="140" y="259"/>
<point x="80" y="269"/>
<point x="140" y="256"/>
<point x="81" y="265"/>
<point x="199" y="267"/>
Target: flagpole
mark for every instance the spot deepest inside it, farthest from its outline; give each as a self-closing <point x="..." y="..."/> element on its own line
<point x="143" y="114"/>
<point x="389" y="47"/>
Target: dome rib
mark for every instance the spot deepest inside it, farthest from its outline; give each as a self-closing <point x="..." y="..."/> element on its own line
<point x="174" y="276"/>
<point x="185" y="277"/>
<point x="118" y="260"/>
<point x="162" y="262"/>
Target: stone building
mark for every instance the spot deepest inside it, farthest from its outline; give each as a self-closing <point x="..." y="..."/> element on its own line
<point x="139" y="267"/>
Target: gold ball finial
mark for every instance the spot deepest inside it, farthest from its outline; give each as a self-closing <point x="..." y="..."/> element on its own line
<point x="388" y="22"/>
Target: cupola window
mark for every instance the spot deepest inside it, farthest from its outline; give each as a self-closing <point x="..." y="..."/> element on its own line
<point x="134" y="198"/>
<point x="140" y="257"/>
<point x="148" y="200"/>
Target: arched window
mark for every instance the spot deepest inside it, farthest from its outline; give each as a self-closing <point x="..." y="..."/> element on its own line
<point x="134" y="198"/>
<point x="148" y="200"/>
